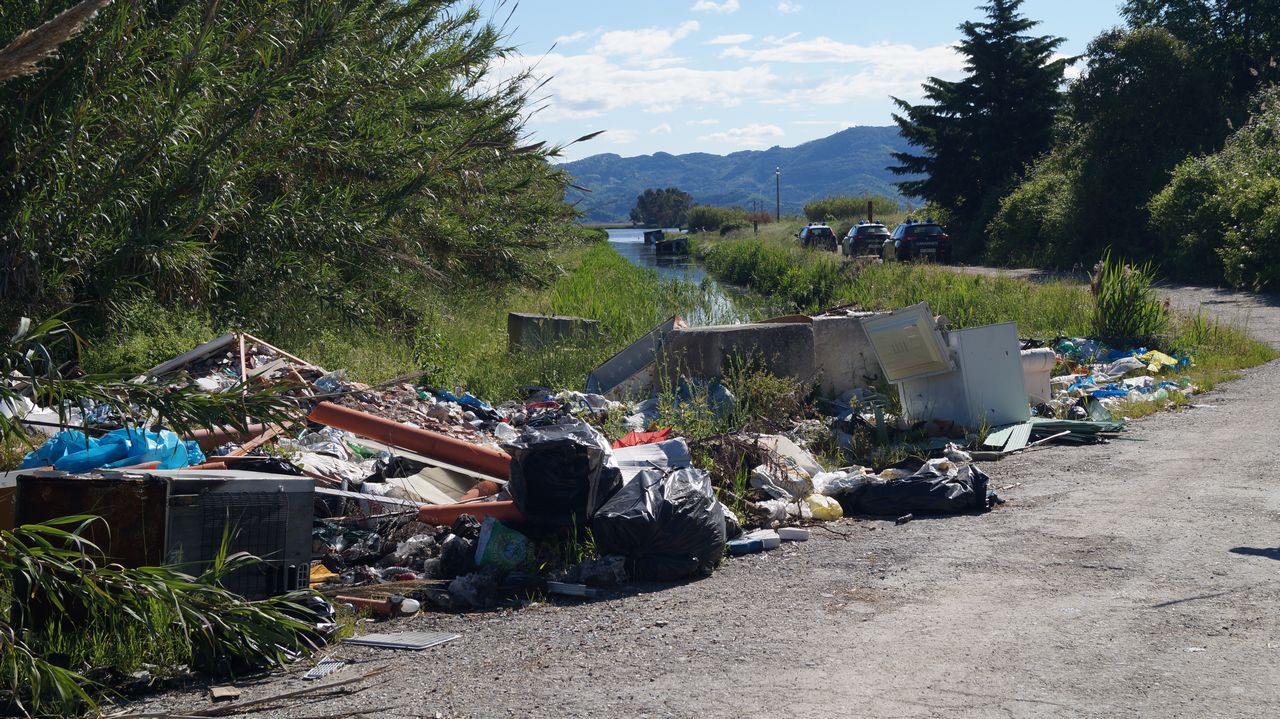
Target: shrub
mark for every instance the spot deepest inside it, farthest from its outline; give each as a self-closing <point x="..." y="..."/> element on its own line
<point x="845" y="207"/>
<point x="1125" y="305"/>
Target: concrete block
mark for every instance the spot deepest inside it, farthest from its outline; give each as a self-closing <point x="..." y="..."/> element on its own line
<point x="531" y="332"/>
<point x="785" y="350"/>
<point x="843" y="359"/>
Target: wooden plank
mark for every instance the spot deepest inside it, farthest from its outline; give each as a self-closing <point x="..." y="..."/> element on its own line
<point x="188" y="357"/>
<point x="282" y="353"/>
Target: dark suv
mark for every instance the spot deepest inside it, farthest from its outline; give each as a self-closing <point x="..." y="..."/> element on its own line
<point x="865" y="238"/>
<point x="820" y="236"/>
<point x="928" y="239"/>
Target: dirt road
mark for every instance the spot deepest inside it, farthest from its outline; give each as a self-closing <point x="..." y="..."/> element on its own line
<point x="1135" y="579"/>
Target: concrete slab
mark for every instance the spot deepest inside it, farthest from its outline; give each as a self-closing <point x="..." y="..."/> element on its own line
<point x="785" y="350"/>
<point x="530" y="331"/>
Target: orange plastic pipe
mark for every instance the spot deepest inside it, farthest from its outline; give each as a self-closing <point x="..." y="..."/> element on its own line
<point x="425" y="442"/>
<point x="144" y="465"/>
<point x="484" y="488"/>
<point x="442" y="514"/>
<point x="209" y="465"/>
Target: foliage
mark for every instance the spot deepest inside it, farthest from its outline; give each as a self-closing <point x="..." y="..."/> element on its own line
<point x="847" y="207"/>
<point x="1221" y="213"/>
<point x="975" y="135"/>
<point x="1142" y="104"/>
<point x="74" y="603"/>
<point x="29" y="361"/>
<point x="1125" y="306"/>
<point x="662" y="208"/>
<point x="216" y="155"/>
<point x="1238" y="41"/>
<point x="710" y="219"/>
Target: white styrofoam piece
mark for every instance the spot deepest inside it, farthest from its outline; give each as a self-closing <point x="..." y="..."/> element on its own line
<point x="768" y="538"/>
<point x="1037" y="367"/>
<point x="793" y="534"/>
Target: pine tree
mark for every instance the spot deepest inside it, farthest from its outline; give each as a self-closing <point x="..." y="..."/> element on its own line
<point x="977" y="134"/>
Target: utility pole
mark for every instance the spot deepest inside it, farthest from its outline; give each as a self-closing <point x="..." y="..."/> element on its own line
<point x="777" y="196"/>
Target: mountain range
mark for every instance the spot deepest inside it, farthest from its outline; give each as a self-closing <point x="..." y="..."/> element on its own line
<point x="850" y="162"/>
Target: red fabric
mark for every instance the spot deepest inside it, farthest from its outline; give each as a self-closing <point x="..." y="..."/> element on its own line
<point x="632" y="439"/>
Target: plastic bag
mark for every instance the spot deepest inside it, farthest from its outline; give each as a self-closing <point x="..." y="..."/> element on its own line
<point x="936" y="487"/>
<point x="71" y="451"/>
<point x="561" y="472"/>
<point x="668" y="527"/>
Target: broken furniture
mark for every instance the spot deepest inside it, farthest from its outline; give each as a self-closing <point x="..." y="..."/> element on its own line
<point x="182" y="517"/>
<point x="973" y="377"/>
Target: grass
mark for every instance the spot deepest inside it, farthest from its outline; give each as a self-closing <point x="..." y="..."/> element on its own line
<point x="458" y="337"/>
<point x="773" y="263"/>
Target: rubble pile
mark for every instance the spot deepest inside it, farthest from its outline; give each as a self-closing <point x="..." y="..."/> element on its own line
<point x="405" y="495"/>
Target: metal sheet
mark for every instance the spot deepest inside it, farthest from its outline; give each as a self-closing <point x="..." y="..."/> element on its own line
<point x="404" y="640"/>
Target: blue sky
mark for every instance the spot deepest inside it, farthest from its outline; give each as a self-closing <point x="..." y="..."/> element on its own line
<point x="725" y="75"/>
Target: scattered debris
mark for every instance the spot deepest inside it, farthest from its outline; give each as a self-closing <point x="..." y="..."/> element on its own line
<point x="415" y="641"/>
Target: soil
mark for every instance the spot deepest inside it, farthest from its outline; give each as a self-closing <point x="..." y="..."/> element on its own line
<point x="1137" y="578"/>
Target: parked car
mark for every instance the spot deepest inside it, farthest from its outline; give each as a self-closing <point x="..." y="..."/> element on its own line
<point x="928" y="239"/>
<point x="820" y="236"/>
<point x="864" y="238"/>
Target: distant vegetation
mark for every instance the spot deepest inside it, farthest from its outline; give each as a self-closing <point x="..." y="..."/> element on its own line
<point x="851" y="208"/>
<point x="662" y="207"/>
<point x="1164" y="149"/>
<point x="851" y="161"/>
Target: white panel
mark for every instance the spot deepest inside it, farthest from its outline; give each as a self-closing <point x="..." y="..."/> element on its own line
<point x="991" y="361"/>
<point x="987" y="388"/>
<point x="907" y="343"/>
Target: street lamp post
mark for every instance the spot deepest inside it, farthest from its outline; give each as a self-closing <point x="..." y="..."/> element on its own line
<point x="777" y="194"/>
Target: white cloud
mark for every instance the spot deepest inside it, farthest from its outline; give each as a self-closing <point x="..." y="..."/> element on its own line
<point x="572" y="38"/>
<point x="787" y="8"/>
<point x="736" y="39"/>
<point x="661" y="129"/>
<point x="591" y="85"/>
<point x="646" y="46"/>
<point x="755" y="135"/>
<point x="621" y="137"/>
<point x="727" y="7"/>
<point x="707" y="121"/>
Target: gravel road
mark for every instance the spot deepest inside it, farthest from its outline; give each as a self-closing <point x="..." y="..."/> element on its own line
<point x="1134" y="579"/>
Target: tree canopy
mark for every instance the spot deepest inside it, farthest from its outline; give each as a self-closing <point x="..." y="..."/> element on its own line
<point x="976" y="134"/>
<point x="241" y="154"/>
<point x="663" y="208"/>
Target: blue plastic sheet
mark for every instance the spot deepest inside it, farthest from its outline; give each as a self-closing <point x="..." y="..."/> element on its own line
<point x="72" y="451"/>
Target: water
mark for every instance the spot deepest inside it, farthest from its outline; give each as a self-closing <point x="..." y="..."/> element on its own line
<point x="630" y="244"/>
<point x="719" y="304"/>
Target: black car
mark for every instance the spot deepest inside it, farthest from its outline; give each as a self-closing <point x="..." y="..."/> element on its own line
<point x="865" y="238"/>
<point x="820" y="236"/>
<point x="926" y="239"/>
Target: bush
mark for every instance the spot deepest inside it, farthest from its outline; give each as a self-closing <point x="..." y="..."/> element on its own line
<point x="708" y="218"/>
<point x="1125" y="306"/>
<point x="1037" y="222"/>
<point x="334" y="155"/>
<point x="1221" y="213"/>
<point x="846" y="207"/>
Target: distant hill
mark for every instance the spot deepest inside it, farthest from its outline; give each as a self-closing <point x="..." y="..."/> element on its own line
<point x="850" y="162"/>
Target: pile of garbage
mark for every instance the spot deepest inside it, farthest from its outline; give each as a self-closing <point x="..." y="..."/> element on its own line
<point x="1113" y="376"/>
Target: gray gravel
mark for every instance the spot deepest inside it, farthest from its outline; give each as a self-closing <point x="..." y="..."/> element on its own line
<point x="1131" y="579"/>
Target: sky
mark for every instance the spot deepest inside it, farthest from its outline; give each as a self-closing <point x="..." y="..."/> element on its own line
<point x="726" y="75"/>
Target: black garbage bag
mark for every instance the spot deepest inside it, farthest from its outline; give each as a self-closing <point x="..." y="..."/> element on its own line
<point x="561" y="472"/>
<point x="668" y="527"/>
<point x="929" y="490"/>
<point x="395" y="468"/>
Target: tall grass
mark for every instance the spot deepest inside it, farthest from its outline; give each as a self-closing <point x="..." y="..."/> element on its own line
<point x="1126" y="305"/>
<point x="458" y="337"/>
<point x="773" y="263"/>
